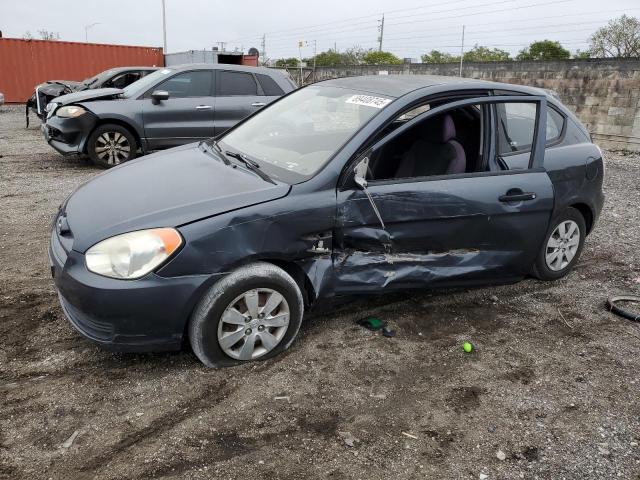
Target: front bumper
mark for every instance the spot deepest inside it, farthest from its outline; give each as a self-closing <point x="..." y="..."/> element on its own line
<point x="149" y="314"/>
<point x="68" y="136"/>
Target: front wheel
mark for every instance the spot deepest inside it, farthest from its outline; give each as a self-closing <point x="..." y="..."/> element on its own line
<point x="254" y="313"/>
<point x="562" y="246"/>
<point x="110" y="145"/>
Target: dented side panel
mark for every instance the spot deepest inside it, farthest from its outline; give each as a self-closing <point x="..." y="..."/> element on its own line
<point x="438" y="230"/>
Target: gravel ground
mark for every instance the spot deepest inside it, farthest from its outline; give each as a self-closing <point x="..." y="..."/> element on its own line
<point x="551" y="391"/>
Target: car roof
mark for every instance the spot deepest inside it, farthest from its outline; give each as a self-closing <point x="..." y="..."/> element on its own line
<point x="399" y="85"/>
<point x="122" y="69"/>
<point x="220" y="66"/>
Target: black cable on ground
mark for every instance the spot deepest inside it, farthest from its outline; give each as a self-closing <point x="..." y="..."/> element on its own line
<point x="628" y="314"/>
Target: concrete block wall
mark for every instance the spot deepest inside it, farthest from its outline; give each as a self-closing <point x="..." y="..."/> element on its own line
<point x="603" y="93"/>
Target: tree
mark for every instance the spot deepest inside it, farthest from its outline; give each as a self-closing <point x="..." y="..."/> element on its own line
<point x="374" y="57"/>
<point x="619" y="38"/>
<point x="330" y="58"/>
<point x="354" y="55"/>
<point x="43" y="34"/>
<point x="287" y="62"/>
<point x="544" y="50"/>
<point x="582" y="54"/>
<point x="436" y="56"/>
<point x="483" y="54"/>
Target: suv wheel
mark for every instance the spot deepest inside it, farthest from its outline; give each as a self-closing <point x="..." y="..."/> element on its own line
<point x="110" y="145"/>
<point x="253" y="313"/>
<point x="562" y="246"/>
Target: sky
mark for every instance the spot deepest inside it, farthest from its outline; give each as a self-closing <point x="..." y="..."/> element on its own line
<point x="411" y="27"/>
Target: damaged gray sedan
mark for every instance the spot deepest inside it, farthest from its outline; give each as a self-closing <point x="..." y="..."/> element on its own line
<point x="350" y="186"/>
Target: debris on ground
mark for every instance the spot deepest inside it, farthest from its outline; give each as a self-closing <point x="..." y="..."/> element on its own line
<point x="371" y="323"/>
<point x="407" y="434"/>
<point x="69" y="441"/>
<point x="348" y="439"/>
<point x="467" y="347"/>
<point x="500" y="455"/>
<point x="387" y="332"/>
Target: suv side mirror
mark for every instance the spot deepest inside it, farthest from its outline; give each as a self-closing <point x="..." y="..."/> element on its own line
<point x="159" y="95"/>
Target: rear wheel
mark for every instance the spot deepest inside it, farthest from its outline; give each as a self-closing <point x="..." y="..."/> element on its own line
<point x="253" y="313"/>
<point x="562" y="246"/>
<point x="110" y="145"/>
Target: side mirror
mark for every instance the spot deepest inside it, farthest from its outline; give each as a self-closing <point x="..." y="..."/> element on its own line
<point x="159" y="95"/>
<point x="360" y="173"/>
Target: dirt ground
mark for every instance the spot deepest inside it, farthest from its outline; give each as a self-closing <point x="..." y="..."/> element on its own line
<point x="552" y="388"/>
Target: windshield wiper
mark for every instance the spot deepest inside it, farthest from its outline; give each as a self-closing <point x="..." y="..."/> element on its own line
<point x="206" y="146"/>
<point x="251" y="165"/>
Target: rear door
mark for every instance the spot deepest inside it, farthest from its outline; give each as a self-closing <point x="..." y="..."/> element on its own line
<point x="186" y="116"/>
<point x="238" y="95"/>
<point x="456" y="229"/>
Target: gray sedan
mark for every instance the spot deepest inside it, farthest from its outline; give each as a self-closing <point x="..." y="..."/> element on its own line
<point x="170" y="107"/>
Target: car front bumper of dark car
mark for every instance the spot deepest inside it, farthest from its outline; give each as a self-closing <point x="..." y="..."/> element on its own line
<point x="68" y="135"/>
<point x="148" y="314"/>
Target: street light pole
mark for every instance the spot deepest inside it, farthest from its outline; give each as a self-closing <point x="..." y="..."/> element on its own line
<point x="164" y="28"/>
<point x="86" y="31"/>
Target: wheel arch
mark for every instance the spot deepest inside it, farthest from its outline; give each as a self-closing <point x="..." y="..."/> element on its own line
<point x="586" y="212"/>
<point x="113" y="121"/>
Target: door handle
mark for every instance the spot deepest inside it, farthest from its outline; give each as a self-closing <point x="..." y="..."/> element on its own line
<point x="204" y="107"/>
<point x="258" y="104"/>
<point x="517" y="195"/>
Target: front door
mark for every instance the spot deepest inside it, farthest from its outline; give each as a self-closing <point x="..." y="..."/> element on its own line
<point x="467" y="227"/>
<point x="186" y="116"/>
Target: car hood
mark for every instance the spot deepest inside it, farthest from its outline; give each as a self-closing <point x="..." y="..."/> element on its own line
<point x="88" y="95"/>
<point x="166" y="189"/>
<point x="56" y="87"/>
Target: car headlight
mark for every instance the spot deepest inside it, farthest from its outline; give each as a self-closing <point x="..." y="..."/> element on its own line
<point x="132" y="255"/>
<point x="70" y="111"/>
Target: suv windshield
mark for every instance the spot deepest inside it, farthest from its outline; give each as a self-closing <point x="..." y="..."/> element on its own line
<point x="140" y="86"/>
<point x="295" y="137"/>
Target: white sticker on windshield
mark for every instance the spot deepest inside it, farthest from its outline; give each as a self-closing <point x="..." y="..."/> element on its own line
<point x="369" y="101"/>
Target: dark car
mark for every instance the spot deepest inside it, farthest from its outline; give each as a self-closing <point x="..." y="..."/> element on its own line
<point x="172" y="106"/>
<point x="113" y="78"/>
<point x="349" y="186"/>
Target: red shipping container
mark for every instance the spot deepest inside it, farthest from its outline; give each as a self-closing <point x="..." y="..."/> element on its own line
<point x="26" y="63"/>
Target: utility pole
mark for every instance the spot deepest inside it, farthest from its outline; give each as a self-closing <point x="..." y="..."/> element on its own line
<point x="164" y="29"/>
<point x="300" y="44"/>
<point x="461" y="50"/>
<point x="86" y="31"/>
<point x="381" y="29"/>
<point x="315" y="54"/>
<point x="264" y="48"/>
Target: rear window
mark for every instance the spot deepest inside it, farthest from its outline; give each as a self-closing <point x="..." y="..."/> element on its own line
<point x="269" y="85"/>
<point x="236" y="83"/>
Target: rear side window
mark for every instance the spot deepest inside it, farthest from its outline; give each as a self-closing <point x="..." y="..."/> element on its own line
<point x="236" y="83"/>
<point x="188" y="84"/>
<point x="555" y="125"/>
<point x="269" y="85"/>
<point x="516" y="127"/>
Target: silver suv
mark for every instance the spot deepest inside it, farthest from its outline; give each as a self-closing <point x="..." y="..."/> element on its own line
<point x="169" y="107"/>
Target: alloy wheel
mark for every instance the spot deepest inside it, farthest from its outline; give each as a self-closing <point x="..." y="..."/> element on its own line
<point x="562" y="245"/>
<point x="112" y="148"/>
<point x="253" y="324"/>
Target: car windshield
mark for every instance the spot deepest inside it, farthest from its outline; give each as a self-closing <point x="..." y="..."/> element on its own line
<point x="99" y="78"/>
<point x="295" y="137"/>
<point x="140" y="86"/>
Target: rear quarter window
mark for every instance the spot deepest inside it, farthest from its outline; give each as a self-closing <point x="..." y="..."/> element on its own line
<point x="269" y="85"/>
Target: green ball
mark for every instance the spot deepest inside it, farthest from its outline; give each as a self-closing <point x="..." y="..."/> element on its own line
<point x="467" y="347"/>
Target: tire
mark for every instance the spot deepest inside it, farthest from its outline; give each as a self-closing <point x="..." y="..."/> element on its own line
<point x="223" y="311"/>
<point x="564" y="250"/>
<point x="110" y="145"/>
